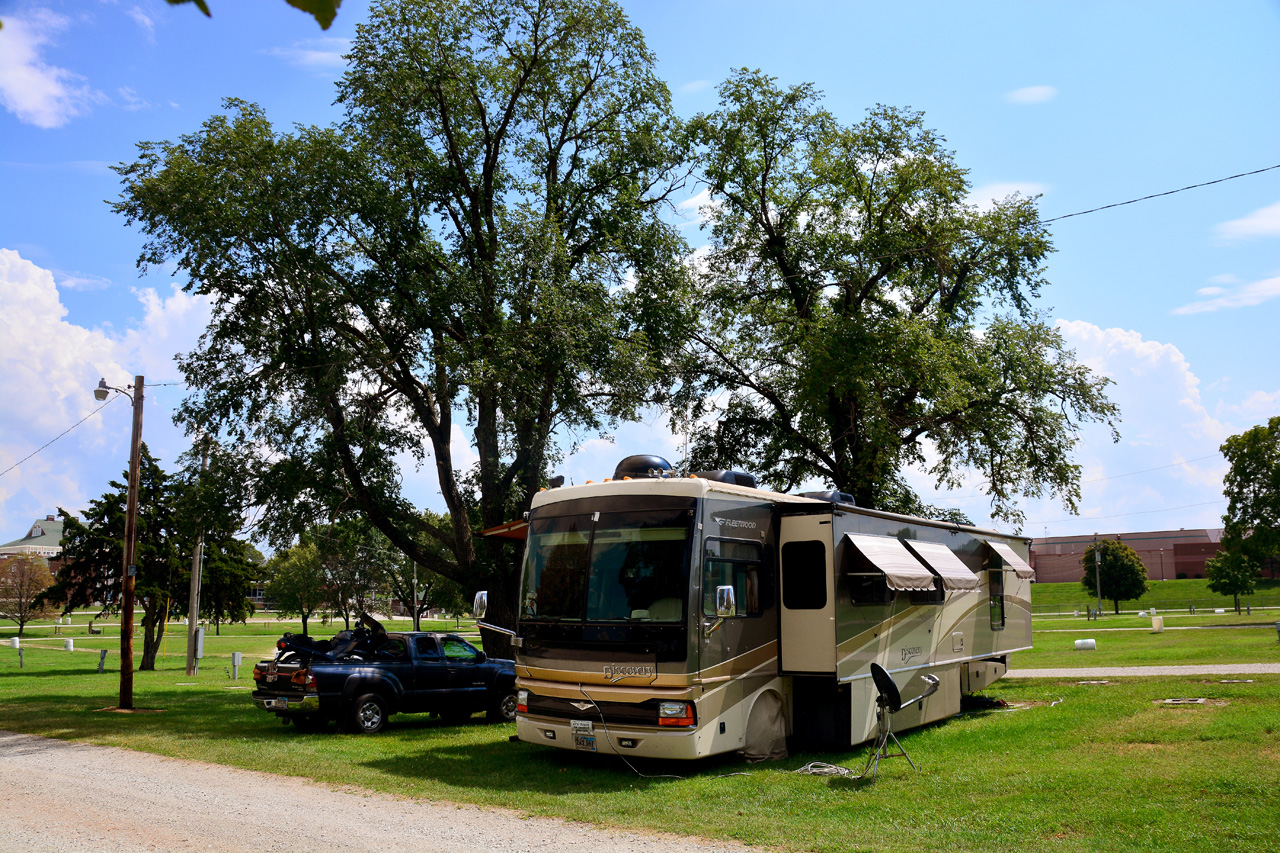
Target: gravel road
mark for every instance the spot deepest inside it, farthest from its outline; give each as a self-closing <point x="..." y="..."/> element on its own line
<point x="72" y="797"/>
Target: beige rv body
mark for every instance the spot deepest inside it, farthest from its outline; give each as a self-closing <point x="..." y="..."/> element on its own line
<point x="802" y="663"/>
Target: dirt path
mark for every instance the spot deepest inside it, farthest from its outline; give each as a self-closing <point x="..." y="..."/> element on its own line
<point x="75" y="797"/>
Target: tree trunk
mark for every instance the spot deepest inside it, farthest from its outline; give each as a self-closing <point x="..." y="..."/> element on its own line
<point x="152" y="634"/>
<point x="304" y="623"/>
<point x="1237" y="595"/>
<point x="1116" y="601"/>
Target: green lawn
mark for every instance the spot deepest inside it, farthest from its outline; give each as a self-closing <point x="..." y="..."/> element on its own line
<point x="1068" y="767"/>
<point x="1065" y="598"/>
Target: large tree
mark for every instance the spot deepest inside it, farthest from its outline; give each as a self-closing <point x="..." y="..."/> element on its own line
<point x="1251" y="527"/>
<point x="93" y="555"/>
<point x="864" y="317"/>
<point x="1124" y="577"/>
<point x="1233" y="573"/>
<point x="230" y="567"/>
<point x="296" y="582"/>
<point x="23" y="577"/>
<point x="481" y="239"/>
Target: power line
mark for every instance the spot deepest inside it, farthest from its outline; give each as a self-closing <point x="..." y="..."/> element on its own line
<point x="1158" y="195"/>
<point x="59" y="435"/>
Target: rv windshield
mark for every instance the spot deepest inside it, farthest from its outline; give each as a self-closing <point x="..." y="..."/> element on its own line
<point x="623" y="567"/>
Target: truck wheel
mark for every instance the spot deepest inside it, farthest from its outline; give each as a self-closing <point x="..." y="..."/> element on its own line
<point x="504" y="710"/>
<point x="368" y="715"/>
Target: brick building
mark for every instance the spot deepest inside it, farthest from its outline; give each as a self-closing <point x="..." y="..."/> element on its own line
<point x="1167" y="554"/>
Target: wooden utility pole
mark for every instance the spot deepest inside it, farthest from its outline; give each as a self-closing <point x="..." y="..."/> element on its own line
<point x="197" y="567"/>
<point x="130" y="551"/>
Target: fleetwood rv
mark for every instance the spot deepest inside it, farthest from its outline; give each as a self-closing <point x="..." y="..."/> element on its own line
<point x="680" y="617"/>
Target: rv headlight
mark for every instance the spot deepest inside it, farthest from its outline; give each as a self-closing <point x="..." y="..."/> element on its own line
<point x="675" y="714"/>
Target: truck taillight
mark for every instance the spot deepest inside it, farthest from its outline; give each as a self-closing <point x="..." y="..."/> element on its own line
<point x="522" y="701"/>
<point x="675" y="714"/>
<point x="303" y="677"/>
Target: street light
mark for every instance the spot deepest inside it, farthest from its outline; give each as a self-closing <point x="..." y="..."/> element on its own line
<point x="130" y="535"/>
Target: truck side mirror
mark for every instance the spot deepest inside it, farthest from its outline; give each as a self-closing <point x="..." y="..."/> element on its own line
<point x="481" y="604"/>
<point x="726" y="603"/>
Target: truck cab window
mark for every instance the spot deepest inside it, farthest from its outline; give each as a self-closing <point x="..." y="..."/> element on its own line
<point x="427" y="649"/>
<point x="458" y="651"/>
<point x="738" y="564"/>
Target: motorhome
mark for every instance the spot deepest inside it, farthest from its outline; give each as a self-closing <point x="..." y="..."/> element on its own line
<point x="683" y="616"/>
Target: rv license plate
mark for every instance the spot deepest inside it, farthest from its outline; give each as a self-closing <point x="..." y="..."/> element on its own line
<point x="583" y="734"/>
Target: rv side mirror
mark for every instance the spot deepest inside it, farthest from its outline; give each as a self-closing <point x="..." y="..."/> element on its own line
<point x="726" y="603"/>
<point x="481" y="604"/>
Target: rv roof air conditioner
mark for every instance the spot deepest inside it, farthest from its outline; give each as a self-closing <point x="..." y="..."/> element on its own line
<point x="831" y="495"/>
<point x="738" y="478"/>
<point x="642" y="466"/>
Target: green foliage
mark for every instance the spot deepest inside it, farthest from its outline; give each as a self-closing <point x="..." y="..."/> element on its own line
<point x="323" y="11"/>
<point x="1123" y="575"/>
<point x="1251" y="527"/>
<point x="1232" y="573"/>
<point x="230" y="567"/>
<point x="23" y="577"/>
<point x="481" y="235"/>
<point x="860" y="309"/>
<point x="296" y="582"/>
<point x="93" y="554"/>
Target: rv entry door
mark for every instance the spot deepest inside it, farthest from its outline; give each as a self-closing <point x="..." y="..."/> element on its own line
<point x="808" y="630"/>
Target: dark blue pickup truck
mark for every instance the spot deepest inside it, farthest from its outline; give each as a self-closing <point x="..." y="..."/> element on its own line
<point x="361" y="677"/>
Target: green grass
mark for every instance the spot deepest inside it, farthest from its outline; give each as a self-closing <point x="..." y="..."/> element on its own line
<point x="1105" y="768"/>
<point x="1168" y="595"/>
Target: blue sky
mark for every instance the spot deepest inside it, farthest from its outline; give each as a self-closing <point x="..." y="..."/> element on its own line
<point x="1084" y="103"/>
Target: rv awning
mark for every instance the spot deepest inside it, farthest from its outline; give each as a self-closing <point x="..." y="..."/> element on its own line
<point x="940" y="558"/>
<point x="1011" y="559"/>
<point x="901" y="570"/>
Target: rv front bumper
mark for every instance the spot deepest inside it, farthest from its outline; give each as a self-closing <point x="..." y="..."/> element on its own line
<point x="644" y="741"/>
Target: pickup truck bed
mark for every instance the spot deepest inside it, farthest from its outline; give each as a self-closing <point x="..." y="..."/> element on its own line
<point x="360" y="684"/>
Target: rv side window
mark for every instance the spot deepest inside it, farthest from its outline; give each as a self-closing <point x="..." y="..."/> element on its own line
<point x="727" y="562"/>
<point x="804" y="575"/>
<point x="996" y="576"/>
<point x="867" y="584"/>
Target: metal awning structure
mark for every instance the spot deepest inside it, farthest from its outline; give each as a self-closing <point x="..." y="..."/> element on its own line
<point x="1011" y="559"/>
<point x="517" y="530"/>
<point x="940" y="558"/>
<point x="902" y="571"/>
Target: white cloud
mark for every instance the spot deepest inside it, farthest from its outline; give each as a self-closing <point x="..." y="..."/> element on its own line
<point x="1242" y="297"/>
<point x="701" y="205"/>
<point x="142" y="20"/>
<point x="1031" y="95"/>
<point x="132" y="101"/>
<point x="317" y="54"/>
<point x="984" y="197"/>
<point x="36" y="92"/>
<point x="1259" y="406"/>
<point x="81" y="281"/>
<point x="49" y="366"/>
<point x="1224" y="278"/>
<point x="1210" y="291"/>
<point x="1165" y="472"/>
<point x="695" y="86"/>
<point x="1263" y="222"/>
